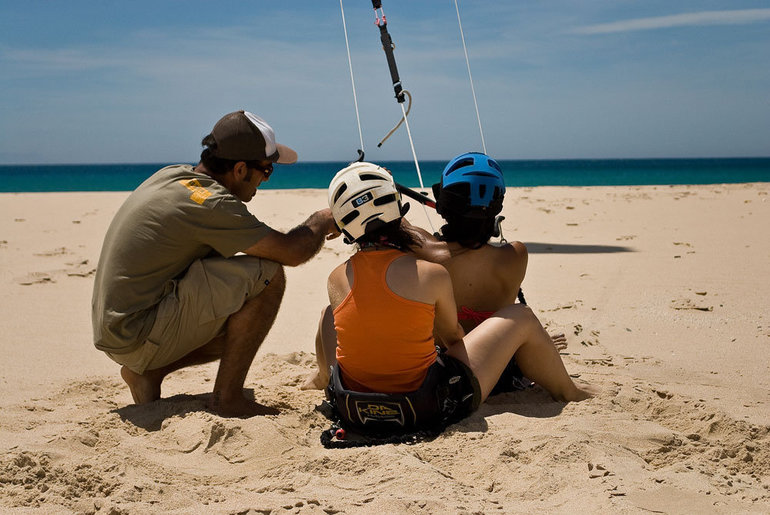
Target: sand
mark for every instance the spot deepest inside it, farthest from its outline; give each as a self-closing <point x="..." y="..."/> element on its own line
<point x="662" y="292"/>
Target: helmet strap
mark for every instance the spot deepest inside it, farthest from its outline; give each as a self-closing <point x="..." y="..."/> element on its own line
<point x="384" y="242"/>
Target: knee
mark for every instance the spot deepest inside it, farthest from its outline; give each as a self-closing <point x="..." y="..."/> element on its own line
<point x="272" y="289"/>
<point x="518" y="313"/>
<point x="277" y="284"/>
<point x="279" y="277"/>
<point x="515" y="311"/>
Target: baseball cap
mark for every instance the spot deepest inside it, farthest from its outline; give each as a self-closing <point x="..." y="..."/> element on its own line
<point x="244" y="136"/>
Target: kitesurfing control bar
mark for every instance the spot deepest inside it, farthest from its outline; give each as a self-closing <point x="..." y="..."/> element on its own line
<point x="419" y="197"/>
<point x="387" y="46"/>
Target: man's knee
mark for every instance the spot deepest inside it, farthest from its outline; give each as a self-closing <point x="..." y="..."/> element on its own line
<point x="278" y="280"/>
<point x="264" y="276"/>
<point x="275" y="288"/>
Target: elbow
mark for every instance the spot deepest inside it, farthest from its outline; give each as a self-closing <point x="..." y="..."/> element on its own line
<point x="297" y="257"/>
<point x="293" y="261"/>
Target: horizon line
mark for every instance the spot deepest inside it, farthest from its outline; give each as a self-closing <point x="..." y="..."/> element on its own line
<point x="324" y="161"/>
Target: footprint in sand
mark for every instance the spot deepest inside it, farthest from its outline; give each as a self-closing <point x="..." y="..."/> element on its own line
<point x="34" y="278"/>
<point x="683" y="304"/>
<point x="683" y="244"/>
<point x="606" y="361"/>
<point x="570" y="305"/>
<point x="75" y="269"/>
<point x="80" y="269"/>
<point x="595" y="471"/>
<point x="60" y="251"/>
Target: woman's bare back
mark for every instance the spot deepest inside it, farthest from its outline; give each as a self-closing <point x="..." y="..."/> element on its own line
<point x="488" y="278"/>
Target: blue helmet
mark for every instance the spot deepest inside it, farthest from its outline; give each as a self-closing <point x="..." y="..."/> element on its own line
<point x="476" y="179"/>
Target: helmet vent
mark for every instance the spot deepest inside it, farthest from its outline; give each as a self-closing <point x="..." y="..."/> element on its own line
<point x="494" y="165"/>
<point x="349" y="217"/>
<point x="387" y="199"/>
<point x="339" y="192"/>
<point x="371" y="177"/>
<point x="462" y="163"/>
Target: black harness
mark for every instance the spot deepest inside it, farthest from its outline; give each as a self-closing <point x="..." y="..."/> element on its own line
<point x="442" y="399"/>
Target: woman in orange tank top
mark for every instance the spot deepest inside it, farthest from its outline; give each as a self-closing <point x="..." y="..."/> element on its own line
<point x="385" y="303"/>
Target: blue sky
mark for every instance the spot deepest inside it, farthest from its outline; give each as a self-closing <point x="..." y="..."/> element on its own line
<point x="106" y="81"/>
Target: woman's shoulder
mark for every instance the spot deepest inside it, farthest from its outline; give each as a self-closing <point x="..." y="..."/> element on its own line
<point x="410" y="268"/>
<point x="510" y="251"/>
<point x="430" y="267"/>
<point x="338" y="272"/>
<point x="409" y="260"/>
<point x="493" y="254"/>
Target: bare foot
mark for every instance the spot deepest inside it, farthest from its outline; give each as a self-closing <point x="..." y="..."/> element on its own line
<point x="315" y="382"/>
<point x="238" y="407"/>
<point x="584" y="392"/>
<point x="559" y="341"/>
<point x="144" y="388"/>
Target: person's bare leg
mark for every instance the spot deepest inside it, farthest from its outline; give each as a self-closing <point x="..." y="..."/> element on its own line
<point x="516" y="330"/>
<point x="325" y="351"/>
<point x="245" y="332"/>
<point x="146" y="387"/>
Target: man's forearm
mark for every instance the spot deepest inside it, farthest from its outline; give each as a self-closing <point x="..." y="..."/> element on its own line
<point x="309" y="236"/>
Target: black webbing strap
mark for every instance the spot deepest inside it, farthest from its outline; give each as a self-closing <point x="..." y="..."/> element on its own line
<point x="387" y="46"/>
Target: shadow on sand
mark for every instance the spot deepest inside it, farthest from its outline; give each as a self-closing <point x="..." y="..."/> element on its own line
<point x="152" y="415"/>
<point x="562" y="248"/>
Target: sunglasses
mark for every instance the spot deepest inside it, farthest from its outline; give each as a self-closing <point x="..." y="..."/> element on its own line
<point x="266" y="170"/>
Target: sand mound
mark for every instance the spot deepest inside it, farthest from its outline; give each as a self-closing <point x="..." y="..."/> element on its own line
<point x="635" y="446"/>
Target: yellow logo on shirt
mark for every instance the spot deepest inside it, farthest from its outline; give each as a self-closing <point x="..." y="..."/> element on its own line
<point x="199" y="193"/>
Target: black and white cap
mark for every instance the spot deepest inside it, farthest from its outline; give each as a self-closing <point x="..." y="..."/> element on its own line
<point x="244" y="136"/>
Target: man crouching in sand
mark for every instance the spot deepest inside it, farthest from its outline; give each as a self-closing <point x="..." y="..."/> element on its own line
<point x="170" y="291"/>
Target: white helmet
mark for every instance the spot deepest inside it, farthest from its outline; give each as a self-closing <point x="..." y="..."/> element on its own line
<point x="363" y="197"/>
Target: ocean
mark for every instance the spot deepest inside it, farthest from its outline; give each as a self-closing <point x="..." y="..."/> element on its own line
<point x="567" y="172"/>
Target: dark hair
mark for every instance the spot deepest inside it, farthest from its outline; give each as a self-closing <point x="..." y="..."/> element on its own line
<point x="394" y="234"/>
<point x="468" y="230"/>
<point x="217" y="165"/>
<point x="470" y="226"/>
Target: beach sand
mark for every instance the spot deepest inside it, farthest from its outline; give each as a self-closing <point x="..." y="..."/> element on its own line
<point x="662" y="292"/>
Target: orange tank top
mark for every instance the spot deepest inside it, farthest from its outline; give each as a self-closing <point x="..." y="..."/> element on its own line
<point x="384" y="341"/>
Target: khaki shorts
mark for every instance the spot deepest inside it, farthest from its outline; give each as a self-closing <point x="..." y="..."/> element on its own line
<point x="197" y="309"/>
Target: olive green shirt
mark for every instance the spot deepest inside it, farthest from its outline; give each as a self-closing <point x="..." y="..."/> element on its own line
<point x="173" y="218"/>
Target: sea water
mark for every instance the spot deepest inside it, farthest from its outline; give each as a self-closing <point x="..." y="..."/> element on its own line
<point x="582" y="172"/>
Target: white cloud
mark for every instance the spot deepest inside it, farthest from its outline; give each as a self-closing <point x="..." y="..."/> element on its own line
<point x="736" y="17"/>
